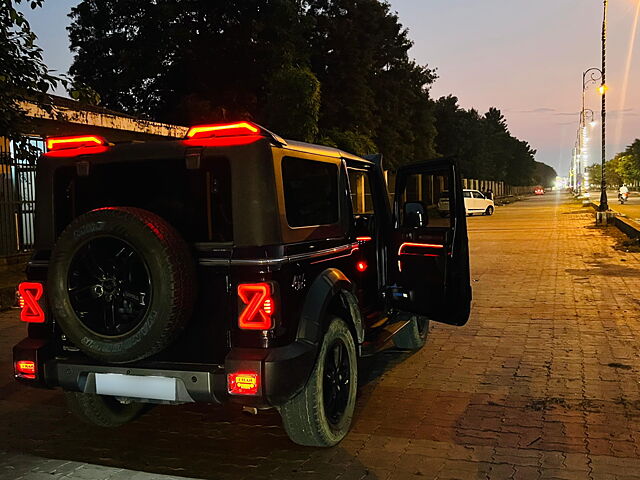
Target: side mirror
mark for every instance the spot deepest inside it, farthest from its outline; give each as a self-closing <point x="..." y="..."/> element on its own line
<point x="415" y="215"/>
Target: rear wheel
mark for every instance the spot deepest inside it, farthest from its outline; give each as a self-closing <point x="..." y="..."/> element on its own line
<point x="320" y="415"/>
<point x="489" y="211"/>
<point x="103" y="411"/>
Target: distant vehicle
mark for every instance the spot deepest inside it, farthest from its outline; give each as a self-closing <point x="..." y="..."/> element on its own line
<point x="539" y="191"/>
<point x="475" y="202"/>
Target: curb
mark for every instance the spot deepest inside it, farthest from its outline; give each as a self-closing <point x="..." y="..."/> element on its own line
<point x="627" y="226"/>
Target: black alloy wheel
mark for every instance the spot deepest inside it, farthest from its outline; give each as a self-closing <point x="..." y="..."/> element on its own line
<point x="336" y="384"/>
<point x="109" y="286"/>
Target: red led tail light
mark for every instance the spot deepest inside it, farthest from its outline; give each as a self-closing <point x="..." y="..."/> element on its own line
<point x="25" y="369"/>
<point x="257" y="306"/>
<point x="243" y="383"/>
<point x="30" y="293"/>
<point x="223" y="130"/>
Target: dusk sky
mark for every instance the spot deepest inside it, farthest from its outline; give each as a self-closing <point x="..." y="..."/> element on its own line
<point x="523" y="57"/>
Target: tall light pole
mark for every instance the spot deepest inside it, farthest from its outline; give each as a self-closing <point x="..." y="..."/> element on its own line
<point x="604" y="205"/>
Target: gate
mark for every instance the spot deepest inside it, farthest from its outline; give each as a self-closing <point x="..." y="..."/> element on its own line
<point x="17" y="202"/>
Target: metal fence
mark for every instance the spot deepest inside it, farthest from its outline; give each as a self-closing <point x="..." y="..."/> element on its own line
<point x="17" y="201"/>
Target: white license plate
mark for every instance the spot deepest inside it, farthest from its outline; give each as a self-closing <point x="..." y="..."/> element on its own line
<point x="136" y="386"/>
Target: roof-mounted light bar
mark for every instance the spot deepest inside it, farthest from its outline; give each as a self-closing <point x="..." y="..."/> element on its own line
<point x="223" y="130"/>
<point x="80" y="141"/>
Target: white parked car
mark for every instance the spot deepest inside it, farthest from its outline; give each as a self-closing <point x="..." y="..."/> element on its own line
<point x="475" y="202"/>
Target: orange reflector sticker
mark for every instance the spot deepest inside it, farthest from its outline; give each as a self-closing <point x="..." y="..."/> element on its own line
<point x="25" y="369"/>
<point x="243" y="383"/>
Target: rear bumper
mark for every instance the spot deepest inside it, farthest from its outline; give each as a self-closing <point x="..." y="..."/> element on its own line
<point x="283" y="372"/>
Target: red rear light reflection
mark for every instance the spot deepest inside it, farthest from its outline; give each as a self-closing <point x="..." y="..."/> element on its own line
<point x="243" y="383"/>
<point x="30" y="293"/>
<point x="25" y="369"/>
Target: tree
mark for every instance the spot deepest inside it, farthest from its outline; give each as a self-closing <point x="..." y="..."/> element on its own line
<point x="373" y="93"/>
<point x="293" y="103"/>
<point x="259" y="60"/>
<point x="483" y="145"/>
<point x="544" y="174"/>
<point x="23" y="75"/>
<point x="185" y="61"/>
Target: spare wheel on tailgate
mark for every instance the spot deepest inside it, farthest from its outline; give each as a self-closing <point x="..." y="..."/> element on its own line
<point x="121" y="283"/>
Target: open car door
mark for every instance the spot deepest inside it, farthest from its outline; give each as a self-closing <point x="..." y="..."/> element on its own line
<point x="429" y="241"/>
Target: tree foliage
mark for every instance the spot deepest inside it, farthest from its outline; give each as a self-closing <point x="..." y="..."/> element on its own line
<point x="331" y="71"/>
<point x="23" y="75"/>
<point x="189" y="61"/>
<point x="623" y="168"/>
<point x="482" y="144"/>
<point x="544" y="175"/>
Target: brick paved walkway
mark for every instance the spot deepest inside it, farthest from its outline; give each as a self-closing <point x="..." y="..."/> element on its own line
<point x="542" y="383"/>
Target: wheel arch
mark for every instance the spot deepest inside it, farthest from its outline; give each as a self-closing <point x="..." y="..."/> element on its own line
<point x="331" y="293"/>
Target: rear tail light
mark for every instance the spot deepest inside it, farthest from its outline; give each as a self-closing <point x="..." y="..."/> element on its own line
<point x="257" y="306"/>
<point x="29" y="295"/>
<point x="243" y="383"/>
<point x="25" y="369"/>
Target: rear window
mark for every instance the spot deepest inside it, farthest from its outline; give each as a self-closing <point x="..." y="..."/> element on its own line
<point x="196" y="202"/>
<point x="310" y="192"/>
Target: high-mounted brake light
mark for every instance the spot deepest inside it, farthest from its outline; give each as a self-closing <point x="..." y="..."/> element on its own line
<point x="258" y="306"/>
<point x="25" y="369"/>
<point x="243" y="383"/>
<point x="63" y="143"/>
<point x="30" y="293"/>
<point x="223" y="130"/>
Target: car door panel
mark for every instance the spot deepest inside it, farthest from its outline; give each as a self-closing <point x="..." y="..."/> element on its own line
<point x="431" y="274"/>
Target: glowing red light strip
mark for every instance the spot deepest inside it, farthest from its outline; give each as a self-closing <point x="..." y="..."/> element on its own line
<point x="60" y="143"/>
<point x="418" y="245"/>
<point x="199" y="130"/>
<point x="364" y="239"/>
<point x="354" y="248"/>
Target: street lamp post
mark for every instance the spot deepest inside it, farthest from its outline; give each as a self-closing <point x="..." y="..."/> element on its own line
<point x="590" y="76"/>
<point x="604" y="205"/>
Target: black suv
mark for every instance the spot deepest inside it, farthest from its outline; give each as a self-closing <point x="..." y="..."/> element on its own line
<point x="232" y="266"/>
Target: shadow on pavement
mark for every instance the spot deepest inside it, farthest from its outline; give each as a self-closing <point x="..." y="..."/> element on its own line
<point x="201" y="441"/>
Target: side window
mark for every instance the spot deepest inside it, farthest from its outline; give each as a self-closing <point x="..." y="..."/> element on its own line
<point x="477" y="195"/>
<point x="361" y="198"/>
<point x="310" y="192"/>
<point x="428" y="194"/>
<point x="467" y="194"/>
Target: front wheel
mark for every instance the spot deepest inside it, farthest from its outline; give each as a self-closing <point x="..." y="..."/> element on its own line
<point x="489" y="211"/>
<point x="320" y="415"/>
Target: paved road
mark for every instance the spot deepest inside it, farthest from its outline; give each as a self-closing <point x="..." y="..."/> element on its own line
<point x="542" y="383"/>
